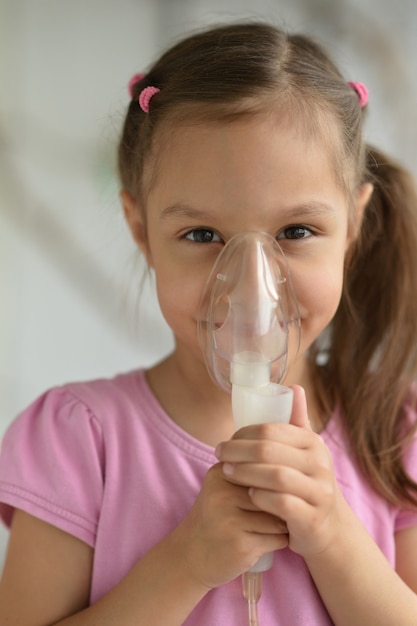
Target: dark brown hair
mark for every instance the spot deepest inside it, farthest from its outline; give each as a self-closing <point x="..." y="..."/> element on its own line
<point x="371" y="356"/>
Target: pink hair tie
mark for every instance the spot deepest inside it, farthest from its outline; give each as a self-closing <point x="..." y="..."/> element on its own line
<point x="362" y="92"/>
<point x="132" y="82"/>
<point x="145" y="97"/>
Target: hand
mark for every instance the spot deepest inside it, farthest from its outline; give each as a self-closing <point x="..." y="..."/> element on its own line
<point x="225" y="532"/>
<point x="289" y="471"/>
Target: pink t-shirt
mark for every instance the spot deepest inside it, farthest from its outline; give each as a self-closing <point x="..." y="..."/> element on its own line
<point x="102" y="461"/>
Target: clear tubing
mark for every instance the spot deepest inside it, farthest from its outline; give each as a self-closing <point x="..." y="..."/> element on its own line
<point x="252" y="589"/>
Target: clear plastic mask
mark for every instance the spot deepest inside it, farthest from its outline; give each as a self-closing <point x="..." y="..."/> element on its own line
<point x="249" y="323"/>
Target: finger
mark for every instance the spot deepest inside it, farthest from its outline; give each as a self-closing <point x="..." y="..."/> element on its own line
<point x="299" y="414"/>
<point x="289" y="507"/>
<point x="287" y="434"/>
<point x="263" y="523"/>
<point x="269" y="542"/>
<point x="269" y="452"/>
<point x="229" y="492"/>
<point x="274" y="478"/>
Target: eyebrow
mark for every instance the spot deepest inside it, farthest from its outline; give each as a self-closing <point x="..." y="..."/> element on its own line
<point x="183" y="210"/>
<point x="313" y="208"/>
<point x="310" y="209"/>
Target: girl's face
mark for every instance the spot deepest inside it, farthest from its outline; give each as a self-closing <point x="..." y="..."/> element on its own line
<point x="216" y="180"/>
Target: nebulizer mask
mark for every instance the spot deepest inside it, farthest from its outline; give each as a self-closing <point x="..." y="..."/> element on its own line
<point x="249" y="329"/>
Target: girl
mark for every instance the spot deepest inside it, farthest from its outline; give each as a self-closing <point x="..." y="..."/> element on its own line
<point x="131" y="501"/>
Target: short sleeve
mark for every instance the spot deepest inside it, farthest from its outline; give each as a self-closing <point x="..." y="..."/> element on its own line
<point x="51" y="465"/>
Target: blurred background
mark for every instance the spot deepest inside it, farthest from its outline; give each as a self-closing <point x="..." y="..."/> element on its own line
<point x="71" y="305"/>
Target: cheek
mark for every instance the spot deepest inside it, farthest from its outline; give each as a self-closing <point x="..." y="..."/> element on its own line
<point x="180" y="277"/>
<point x="178" y="294"/>
<point x="318" y="292"/>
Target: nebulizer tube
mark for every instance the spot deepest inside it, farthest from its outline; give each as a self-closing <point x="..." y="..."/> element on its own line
<point x="249" y="329"/>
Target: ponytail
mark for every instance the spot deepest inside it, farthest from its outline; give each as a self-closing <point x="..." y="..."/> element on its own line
<point x="372" y="360"/>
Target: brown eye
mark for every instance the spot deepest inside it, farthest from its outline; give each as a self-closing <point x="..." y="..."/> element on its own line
<point x="202" y="235"/>
<point x="295" y="232"/>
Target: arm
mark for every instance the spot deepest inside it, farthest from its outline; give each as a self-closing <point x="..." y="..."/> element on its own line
<point x="47" y="573"/>
<point x="47" y="578"/>
<point x="41" y="563"/>
<point x="291" y="474"/>
<point x="358" y="585"/>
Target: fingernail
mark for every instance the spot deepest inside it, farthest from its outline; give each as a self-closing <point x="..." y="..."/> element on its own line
<point x="218" y="451"/>
<point x="228" y="469"/>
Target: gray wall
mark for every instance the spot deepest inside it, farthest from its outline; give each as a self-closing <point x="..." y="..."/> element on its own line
<point x="69" y="274"/>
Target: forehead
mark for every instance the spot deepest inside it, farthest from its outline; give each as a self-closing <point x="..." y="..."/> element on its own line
<point x="248" y="151"/>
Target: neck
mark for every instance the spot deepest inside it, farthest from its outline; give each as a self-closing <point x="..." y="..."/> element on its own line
<point x="186" y="392"/>
<point x="192" y="400"/>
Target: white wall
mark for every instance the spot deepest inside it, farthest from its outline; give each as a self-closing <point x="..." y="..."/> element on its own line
<point x="68" y="276"/>
<point x="66" y="259"/>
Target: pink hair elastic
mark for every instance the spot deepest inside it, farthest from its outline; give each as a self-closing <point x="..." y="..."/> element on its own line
<point x="362" y="92"/>
<point x="145" y="97"/>
<point x="132" y="82"/>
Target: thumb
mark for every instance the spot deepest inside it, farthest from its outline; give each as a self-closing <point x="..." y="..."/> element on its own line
<point x="299" y="415"/>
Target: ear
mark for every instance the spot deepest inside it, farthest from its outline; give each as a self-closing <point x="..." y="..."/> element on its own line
<point x="135" y="220"/>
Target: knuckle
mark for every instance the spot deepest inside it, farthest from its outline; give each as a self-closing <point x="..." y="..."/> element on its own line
<point x="279" y="477"/>
<point x="267" y="430"/>
<point x="327" y="491"/>
<point x="325" y="465"/>
<point x="264" y="451"/>
<point x="321" y="455"/>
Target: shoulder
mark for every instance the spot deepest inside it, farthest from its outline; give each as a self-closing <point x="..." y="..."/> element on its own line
<point x="108" y="394"/>
<point x="373" y="509"/>
<point x="370" y="505"/>
<point x="53" y="455"/>
<point x="78" y="404"/>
